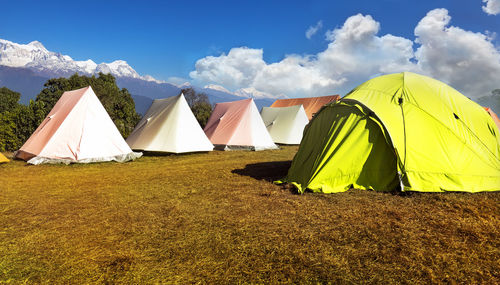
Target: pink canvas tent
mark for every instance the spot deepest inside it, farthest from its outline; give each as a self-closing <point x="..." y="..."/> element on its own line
<point x="236" y="125"/>
<point x="77" y="129"/>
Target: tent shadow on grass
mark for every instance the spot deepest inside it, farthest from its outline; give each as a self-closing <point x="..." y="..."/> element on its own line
<point x="269" y="171"/>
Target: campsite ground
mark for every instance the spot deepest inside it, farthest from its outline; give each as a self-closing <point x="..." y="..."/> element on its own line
<point x="217" y="218"/>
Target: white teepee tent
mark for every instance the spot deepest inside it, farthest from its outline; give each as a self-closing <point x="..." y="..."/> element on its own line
<point x="78" y="129"/>
<point x="285" y="124"/>
<point x="169" y="126"/>
<point x="238" y="125"/>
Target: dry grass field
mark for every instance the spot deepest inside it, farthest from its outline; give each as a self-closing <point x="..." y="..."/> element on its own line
<point x="217" y="218"/>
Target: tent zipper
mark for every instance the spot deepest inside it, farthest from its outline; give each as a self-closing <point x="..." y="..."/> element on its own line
<point x="403" y="170"/>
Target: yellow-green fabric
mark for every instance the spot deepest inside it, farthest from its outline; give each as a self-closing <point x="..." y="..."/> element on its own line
<point x="344" y="147"/>
<point x="439" y="139"/>
<point x="3" y="158"/>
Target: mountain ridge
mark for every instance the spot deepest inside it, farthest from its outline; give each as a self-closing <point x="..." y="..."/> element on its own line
<point x="26" y="67"/>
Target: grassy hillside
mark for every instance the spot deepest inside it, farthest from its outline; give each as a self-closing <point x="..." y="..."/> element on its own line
<point x="216" y="218"/>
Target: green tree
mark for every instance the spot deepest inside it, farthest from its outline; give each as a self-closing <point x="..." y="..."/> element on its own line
<point x="117" y="102"/>
<point x="27" y="119"/>
<point x="17" y="122"/>
<point x="199" y="104"/>
<point x="8" y="99"/>
<point x="8" y="138"/>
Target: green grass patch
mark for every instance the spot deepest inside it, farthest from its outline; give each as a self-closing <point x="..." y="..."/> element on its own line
<point x="217" y="218"/>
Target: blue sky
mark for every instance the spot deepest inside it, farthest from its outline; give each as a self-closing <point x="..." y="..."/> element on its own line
<point x="166" y="38"/>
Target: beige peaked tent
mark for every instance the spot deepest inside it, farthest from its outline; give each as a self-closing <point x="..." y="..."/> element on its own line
<point x="3" y="158"/>
<point x="285" y="124"/>
<point x="238" y="125"/>
<point x="169" y="126"/>
<point x="78" y="129"/>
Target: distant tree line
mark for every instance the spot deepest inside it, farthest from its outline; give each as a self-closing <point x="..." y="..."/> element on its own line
<point x="18" y="121"/>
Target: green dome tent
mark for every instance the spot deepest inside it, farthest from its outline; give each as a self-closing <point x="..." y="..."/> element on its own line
<point x="404" y="130"/>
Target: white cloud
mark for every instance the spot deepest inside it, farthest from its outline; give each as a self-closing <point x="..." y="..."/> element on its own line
<point x="492" y="7"/>
<point x="466" y="60"/>
<point x="357" y="28"/>
<point x="356" y="52"/>
<point x="312" y="30"/>
<point x="236" y="69"/>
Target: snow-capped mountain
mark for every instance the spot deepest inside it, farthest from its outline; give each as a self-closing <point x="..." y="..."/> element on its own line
<point x="216" y="87"/>
<point x="250" y="92"/>
<point x="25" y="67"/>
<point x="37" y="58"/>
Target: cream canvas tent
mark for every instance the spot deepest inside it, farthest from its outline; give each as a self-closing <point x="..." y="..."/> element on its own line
<point x="238" y="125"/>
<point x="285" y="124"/>
<point x="169" y="126"/>
<point x="78" y="129"/>
<point x="312" y="105"/>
